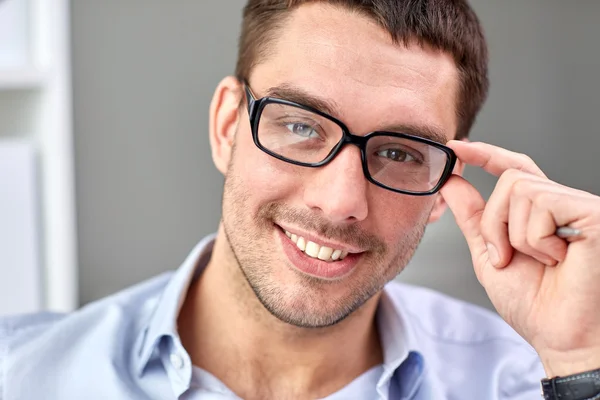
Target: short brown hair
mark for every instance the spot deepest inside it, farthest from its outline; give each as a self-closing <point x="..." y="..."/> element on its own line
<point x="446" y="25"/>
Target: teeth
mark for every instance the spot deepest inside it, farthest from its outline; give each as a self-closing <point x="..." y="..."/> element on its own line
<point x="336" y="255"/>
<point x="312" y="249"/>
<point x="301" y="243"/>
<point x="325" y="253"/>
<point x="315" y="250"/>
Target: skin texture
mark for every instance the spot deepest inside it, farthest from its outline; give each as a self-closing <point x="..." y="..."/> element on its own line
<point x="260" y="190"/>
<point x="290" y="335"/>
<point x="284" y="314"/>
<point x="545" y="287"/>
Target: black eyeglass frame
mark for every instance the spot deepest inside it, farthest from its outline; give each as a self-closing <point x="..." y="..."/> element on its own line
<point x="256" y="106"/>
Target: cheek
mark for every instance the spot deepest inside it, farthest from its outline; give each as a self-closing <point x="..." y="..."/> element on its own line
<point x="263" y="177"/>
<point x="399" y="215"/>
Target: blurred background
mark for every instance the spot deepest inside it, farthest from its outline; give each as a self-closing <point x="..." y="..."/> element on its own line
<point x="140" y="75"/>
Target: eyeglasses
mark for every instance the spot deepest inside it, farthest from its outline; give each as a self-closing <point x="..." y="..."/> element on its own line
<point x="307" y="137"/>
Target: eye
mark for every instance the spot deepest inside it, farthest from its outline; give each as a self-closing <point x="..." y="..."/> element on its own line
<point x="303" y="130"/>
<point x="396" y="155"/>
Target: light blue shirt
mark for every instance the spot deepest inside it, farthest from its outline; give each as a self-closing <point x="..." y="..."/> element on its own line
<point x="126" y="346"/>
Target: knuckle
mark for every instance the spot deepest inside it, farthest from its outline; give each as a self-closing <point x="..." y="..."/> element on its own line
<point x="520" y="246"/>
<point x="518" y="240"/>
<point x="542" y="198"/>
<point x="510" y="176"/>
<point x="528" y="166"/>
<point x="525" y="160"/>
<point x="520" y="186"/>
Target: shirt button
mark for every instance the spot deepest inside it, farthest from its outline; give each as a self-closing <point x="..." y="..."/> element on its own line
<point x="176" y="360"/>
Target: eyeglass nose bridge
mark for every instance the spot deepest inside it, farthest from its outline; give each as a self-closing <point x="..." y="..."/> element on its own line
<point x="254" y="109"/>
<point x="348" y="138"/>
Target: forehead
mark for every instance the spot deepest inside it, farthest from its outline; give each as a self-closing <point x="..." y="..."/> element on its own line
<point x="346" y="57"/>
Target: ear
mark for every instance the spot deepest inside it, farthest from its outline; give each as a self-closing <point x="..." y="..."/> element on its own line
<point x="223" y="121"/>
<point x="440" y="204"/>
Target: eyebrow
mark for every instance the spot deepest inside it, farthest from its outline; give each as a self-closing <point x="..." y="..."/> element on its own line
<point x="287" y="91"/>
<point x="293" y="93"/>
<point x="423" y="131"/>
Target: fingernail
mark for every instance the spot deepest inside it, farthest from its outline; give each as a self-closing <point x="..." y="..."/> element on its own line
<point x="492" y="254"/>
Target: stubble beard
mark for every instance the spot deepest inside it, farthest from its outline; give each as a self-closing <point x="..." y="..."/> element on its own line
<point x="305" y="302"/>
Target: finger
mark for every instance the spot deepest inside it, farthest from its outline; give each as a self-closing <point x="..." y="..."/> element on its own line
<point x="495" y="218"/>
<point x="567" y="206"/>
<point x="556" y="205"/>
<point x="495" y="160"/>
<point x="467" y="205"/>
<point x="518" y="230"/>
<point x="541" y="234"/>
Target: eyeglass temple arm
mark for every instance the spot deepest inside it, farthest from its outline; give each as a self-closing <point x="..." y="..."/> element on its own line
<point x="250" y="98"/>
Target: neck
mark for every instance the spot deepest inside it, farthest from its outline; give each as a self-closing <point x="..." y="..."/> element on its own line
<point x="230" y="334"/>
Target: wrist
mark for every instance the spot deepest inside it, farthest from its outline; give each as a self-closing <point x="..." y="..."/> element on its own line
<point x="569" y="363"/>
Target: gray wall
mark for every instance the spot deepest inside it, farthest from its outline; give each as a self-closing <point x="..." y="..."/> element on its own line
<point x="144" y="72"/>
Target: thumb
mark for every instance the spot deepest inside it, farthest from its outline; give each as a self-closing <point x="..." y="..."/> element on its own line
<point x="467" y="205"/>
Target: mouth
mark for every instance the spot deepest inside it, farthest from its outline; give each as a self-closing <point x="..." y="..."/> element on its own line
<point x="317" y="259"/>
<point x="315" y="250"/>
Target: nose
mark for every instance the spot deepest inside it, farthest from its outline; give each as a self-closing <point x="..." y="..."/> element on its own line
<point x="339" y="189"/>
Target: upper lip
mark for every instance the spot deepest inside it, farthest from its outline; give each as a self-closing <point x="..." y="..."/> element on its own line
<point x="321" y="241"/>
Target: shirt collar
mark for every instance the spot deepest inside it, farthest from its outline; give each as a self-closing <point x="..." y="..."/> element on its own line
<point x="402" y="360"/>
<point x="163" y="321"/>
<point x="399" y="343"/>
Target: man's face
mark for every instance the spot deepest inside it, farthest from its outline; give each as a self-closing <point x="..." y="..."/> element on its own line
<point x="374" y="84"/>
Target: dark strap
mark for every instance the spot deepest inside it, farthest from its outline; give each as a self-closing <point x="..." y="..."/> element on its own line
<point x="584" y="386"/>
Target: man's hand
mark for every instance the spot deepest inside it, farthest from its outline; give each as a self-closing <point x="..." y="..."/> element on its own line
<point x="546" y="288"/>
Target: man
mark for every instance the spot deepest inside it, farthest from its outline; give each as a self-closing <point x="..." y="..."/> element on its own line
<point x="342" y="136"/>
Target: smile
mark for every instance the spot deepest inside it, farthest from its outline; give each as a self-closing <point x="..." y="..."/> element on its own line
<point x="316" y="250"/>
<point x="319" y="257"/>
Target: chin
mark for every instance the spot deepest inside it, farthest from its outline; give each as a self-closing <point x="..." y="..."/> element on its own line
<point x="307" y="311"/>
<point x="309" y="302"/>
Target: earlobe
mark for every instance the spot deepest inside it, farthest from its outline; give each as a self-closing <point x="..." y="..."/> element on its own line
<point x="223" y="121"/>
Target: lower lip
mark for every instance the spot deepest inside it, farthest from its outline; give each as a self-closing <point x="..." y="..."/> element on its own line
<point x="315" y="267"/>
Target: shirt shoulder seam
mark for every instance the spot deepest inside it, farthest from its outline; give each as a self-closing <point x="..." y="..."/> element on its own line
<point x="7" y="328"/>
